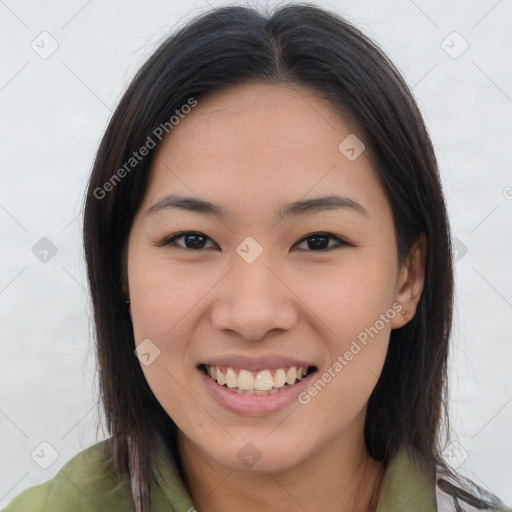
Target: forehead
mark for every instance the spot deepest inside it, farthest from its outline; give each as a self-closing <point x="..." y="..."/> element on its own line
<point x="255" y="143"/>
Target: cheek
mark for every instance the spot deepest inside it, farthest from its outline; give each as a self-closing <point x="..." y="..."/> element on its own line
<point x="164" y="303"/>
<point x="164" y="294"/>
<point x="357" y="351"/>
<point x="355" y="305"/>
<point x="163" y="297"/>
<point x="352" y="297"/>
<point x="169" y="383"/>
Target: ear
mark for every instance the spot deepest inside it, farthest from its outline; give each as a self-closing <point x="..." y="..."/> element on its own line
<point x="410" y="282"/>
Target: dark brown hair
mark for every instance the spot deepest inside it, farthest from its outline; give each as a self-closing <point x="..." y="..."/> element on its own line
<point x="299" y="45"/>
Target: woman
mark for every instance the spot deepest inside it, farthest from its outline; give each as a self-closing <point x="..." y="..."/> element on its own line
<point x="269" y="259"/>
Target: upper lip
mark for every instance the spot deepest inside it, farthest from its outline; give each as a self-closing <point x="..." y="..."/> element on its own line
<point x="265" y="362"/>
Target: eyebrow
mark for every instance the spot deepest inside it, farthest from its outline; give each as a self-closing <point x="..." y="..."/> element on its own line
<point x="302" y="207"/>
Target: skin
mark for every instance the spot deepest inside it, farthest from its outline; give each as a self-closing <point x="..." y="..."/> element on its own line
<point x="252" y="148"/>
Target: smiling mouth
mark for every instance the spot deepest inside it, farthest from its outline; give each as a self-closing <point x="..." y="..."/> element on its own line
<point x="263" y="382"/>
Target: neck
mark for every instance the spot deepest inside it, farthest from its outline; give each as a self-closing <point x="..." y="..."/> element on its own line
<point x="341" y="477"/>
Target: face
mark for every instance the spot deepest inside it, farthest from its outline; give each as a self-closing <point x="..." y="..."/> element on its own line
<point x="244" y="297"/>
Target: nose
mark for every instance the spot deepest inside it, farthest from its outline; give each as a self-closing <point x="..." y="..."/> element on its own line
<point x="254" y="300"/>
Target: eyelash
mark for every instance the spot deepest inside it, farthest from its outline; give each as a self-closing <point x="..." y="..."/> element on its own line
<point x="170" y="240"/>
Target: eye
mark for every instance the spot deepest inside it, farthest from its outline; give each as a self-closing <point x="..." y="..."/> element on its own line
<point x="319" y="242"/>
<point x="193" y="240"/>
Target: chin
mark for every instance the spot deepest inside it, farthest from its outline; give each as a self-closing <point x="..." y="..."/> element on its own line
<point x="258" y="456"/>
<point x="273" y="465"/>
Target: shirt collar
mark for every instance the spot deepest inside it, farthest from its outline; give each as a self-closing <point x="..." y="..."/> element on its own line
<point x="405" y="487"/>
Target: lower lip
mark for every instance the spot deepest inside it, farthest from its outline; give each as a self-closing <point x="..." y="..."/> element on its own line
<point x="254" y="405"/>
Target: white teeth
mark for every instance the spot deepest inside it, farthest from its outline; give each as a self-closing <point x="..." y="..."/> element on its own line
<point x="279" y="378"/>
<point x="221" y="379"/>
<point x="231" y="378"/>
<point x="291" y="376"/>
<point x="264" y="381"/>
<point x="244" y="392"/>
<point x="245" y="380"/>
<point x="261" y="383"/>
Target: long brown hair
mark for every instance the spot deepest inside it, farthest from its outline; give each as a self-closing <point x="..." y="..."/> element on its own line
<point x="302" y="45"/>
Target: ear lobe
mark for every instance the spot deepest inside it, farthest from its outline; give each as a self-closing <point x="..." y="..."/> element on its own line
<point x="411" y="281"/>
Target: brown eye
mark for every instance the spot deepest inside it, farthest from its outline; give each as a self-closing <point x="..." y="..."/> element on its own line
<point x="196" y="241"/>
<point x="318" y="242"/>
<point x="192" y="240"/>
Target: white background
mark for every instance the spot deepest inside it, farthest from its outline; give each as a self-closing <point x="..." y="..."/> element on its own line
<point x="54" y="112"/>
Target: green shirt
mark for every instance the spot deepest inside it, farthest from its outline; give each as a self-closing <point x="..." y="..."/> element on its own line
<point x="87" y="483"/>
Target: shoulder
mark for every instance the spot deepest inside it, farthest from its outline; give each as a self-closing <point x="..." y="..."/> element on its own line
<point x="86" y="482"/>
<point x="455" y="494"/>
